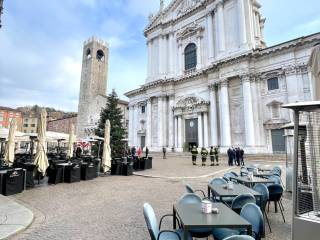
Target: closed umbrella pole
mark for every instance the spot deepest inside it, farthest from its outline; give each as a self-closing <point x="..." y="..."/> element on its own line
<point x="41" y="159"/>
<point x="71" y="137"/>
<point x="9" y="151"/>
<point x="314" y="64"/>
<point x="106" y="157"/>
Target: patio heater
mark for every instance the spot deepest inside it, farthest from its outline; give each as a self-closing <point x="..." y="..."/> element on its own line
<point x="306" y="170"/>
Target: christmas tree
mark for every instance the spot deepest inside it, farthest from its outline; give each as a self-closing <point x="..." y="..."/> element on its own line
<point x="117" y="131"/>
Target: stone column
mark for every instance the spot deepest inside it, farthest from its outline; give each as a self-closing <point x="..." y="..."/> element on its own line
<point x="210" y="36"/>
<point x="165" y="116"/>
<point x="160" y="122"/>
<point x="225" y="115"/>
<point x="220" y="26"/>
<point x="242" y="23"/>
<point x="248" y="110"/>
<point x="200" y="136"/>
<point x="149" y="59"/>
<point x="149" y="123"/>
<point x="161" y="55"/>
<point x="171" y="126"/>
<point x="179" y="131"/>
<point x="205" y="130"/>
<point x="175" y="132"/>
<point x="199" y="55"/>
<point x="180" y="58"/>
<point x="170" y="57"/>
<point x="213" y="116"/>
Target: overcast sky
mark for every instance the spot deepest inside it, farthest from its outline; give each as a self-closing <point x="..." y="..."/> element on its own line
<point x="41" y="44"/>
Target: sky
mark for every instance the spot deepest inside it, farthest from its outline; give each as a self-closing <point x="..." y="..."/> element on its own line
<point x="41" y="44"/>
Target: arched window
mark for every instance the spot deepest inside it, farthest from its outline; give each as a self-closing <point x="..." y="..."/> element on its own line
<point x="100" y="55"/>
<point x="190" y="56"/>
<point x="88" y="53"/>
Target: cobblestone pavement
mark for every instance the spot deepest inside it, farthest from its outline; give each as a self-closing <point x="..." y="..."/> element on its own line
<point x="111" y="207"/>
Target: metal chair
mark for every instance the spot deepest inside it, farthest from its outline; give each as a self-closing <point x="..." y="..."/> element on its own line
<point x="191" y="190"/>
<point x="277" y="169"/>
<point x="191" y="198"/>
<point x="228" y="176"/>
<point x="239" y="237"/>
<point x="154" y="227"/>
<point x="275" y="195"/>
<point x="244" y="171"/>
<point x="252" y="213"/>
<point x="219" y="181"/>
<point x="263" y="200"/>
<point x="241" y="200"/>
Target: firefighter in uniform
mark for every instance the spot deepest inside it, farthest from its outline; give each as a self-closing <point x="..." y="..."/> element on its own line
<point x="216" y="154"/>
<point x="212" y="155"/>
<point x="204" y="155"/>
<point x="194" y="152"/>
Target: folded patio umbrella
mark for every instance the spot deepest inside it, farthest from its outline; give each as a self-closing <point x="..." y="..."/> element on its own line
<point x="314" y="63"/>
<point x="106" y="157"/>
<point x="71" y="141"/>
<point x="9" y="151"/>
<point x="41" y="160"/>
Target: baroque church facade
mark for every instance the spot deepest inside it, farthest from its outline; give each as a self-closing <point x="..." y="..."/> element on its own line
<point x="213" y="82"/>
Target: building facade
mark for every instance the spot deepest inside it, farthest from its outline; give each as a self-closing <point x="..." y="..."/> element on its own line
<point x="62" y="125"/>
<point x="213" y="82"/>
<point x="93" y="86"/>
<point x="6" y="116"/>
<point x="29" y="122"/>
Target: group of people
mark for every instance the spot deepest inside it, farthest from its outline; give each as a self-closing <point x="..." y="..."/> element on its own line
<point x="213" y="153"/>
<point x="133" y="151"/>
<point x="235" y="156"/>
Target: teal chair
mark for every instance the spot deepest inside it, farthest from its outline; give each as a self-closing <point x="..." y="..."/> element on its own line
<point x="155" y="229"/>
<point x="239" y="237"/>
<point x="191" y="190"/>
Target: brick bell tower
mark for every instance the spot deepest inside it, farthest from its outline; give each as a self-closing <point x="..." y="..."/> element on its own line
<point x="93" y="86"/>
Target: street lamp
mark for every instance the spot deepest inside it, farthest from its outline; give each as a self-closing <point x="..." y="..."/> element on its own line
<point x="1" y="8"/>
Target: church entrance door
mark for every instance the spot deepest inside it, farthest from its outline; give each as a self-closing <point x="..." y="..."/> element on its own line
<point x="143" y="142"/>
<point x="191" y="132"/>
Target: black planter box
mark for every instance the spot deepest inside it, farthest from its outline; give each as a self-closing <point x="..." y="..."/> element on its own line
<point x="88" y="171"/>
<point x="148" y="163"/>
<point x="12" y="182"/>
<point x="136" y="163"/>
<point x="55" y="174"/>
<point x="127" y="169"/>
<point x="116" y="167"/>
<point x="72" y="173"/>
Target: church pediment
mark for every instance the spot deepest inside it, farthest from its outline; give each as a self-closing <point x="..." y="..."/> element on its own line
<point x="189" y="31"/>
<point x="174" y="10"/>
<point x="191" y="104"/>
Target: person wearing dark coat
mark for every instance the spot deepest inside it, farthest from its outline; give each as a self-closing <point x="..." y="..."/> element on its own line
<point x="164" y="151"/>
<point x="133" y="151"/>
<point x="237" y="150"/>
<point x="147" y="152"/>
<point x="211" y="153"/>
<point x="230" y="157"/>
<point x="242" y="157"/>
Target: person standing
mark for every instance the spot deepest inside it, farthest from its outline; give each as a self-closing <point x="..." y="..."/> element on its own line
<point x="147" y="152"/>
<point x="133" y="151"/>
<point x="242" y="157"/>
<point x="212" y="155"/>
<point x="238" y="156"/>
<point x="216" y="154"/>
<point x="194" y="152"/>
<point x="139" y="152"/>
<point x="164" y="151"/>
<point x="204" y="155"/>
<point x="230" y="157"/>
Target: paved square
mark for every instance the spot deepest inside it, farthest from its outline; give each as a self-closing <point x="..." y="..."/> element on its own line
<point x="111" y="207"/>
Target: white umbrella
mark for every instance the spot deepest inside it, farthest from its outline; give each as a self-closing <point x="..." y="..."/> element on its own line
<point x="41" y="160"/>
<point x="314" y="63"/>
<point x="9" y="152"/>
<point x="106" y="157"/>
<point x="70" y="146"/>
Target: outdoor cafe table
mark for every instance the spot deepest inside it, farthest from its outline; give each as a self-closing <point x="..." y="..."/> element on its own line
<point x="238" y="189"/>
<point x="263" y="174"/>
<point x="192" y="217"/>
<point x="63" y="165"/>
<point x="250" y="182"/>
